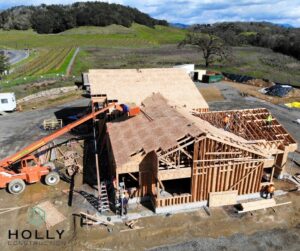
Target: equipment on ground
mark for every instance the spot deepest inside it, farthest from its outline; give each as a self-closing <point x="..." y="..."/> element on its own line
<point x="23" y="167"/>
<point x="52" y="124"/>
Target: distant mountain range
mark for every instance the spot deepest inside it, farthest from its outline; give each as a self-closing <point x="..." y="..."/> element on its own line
<point x="285" y="25"/>
<point x="179" y="25"/>
<point x="185" y="26"/>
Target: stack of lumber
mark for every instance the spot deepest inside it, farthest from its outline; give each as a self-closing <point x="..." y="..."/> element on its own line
<point x="260" y="204"/>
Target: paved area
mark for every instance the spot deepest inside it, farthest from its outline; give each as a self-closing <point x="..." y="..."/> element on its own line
<point x="15" y="56"/>
<point x="20" y="129"/>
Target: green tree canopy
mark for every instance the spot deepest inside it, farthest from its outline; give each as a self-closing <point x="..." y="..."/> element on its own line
<point x="212" y="47"/>
<point x="4" y="64"/>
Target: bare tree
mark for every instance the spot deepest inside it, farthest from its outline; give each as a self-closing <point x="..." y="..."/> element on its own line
<point x="212" y="47"/>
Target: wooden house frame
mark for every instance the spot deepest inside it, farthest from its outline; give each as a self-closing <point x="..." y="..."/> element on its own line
<point x="202" y="161"/>
<point x="251" y="125"/>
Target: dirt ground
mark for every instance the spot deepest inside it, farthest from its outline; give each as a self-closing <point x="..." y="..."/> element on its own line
<point x="264" y="230"/>
<point x="195" y="230"/>
<point x="42" y="103"/>
<point x="211" y="93"/>
<point x="251" y="90"/>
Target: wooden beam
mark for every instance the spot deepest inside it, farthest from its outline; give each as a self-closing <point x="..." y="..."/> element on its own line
<point x="245" y="176"/>
<point x="161" y="184"/>
<point x="175" y="174"/>
<point x="178" y="147"/>
<point x="132" y="176"/>
<point x="186" y="153"/>
<point x="217" y="153"/>
<point x="168" y="163"/>
<point x="231" y="159"/>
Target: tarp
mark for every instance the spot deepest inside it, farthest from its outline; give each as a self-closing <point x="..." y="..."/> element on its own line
<point x="278" y="90"/>
<point x="293" y="105"/>
<point x="236" y="77"/>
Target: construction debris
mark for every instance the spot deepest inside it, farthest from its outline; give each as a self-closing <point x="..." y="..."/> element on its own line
<point x="295" y="179"/>
<point x="10" y="209"/>
<point x="70" y="160"/>
<point x="131" y="225"/>
<point x="52" y="124"/>
<point x="259" y="83"/>
<point x="95" y="219"/>
<point x="52" y="216"/>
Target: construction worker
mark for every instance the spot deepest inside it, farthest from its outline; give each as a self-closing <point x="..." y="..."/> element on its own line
<point x="268" y="190"/>
<point x="227" y="122"/>
<point x="125" y="203"/>
<point x="269" y="120"/>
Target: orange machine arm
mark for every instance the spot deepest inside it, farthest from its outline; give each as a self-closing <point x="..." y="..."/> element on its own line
<point x="36" y="145"/>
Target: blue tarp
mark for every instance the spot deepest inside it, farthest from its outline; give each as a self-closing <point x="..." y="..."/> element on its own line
<point x="278" y="90"/>
<point x="237" y="77"/>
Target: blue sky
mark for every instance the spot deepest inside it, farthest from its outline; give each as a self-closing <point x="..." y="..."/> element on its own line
<point x="201" y="11"/>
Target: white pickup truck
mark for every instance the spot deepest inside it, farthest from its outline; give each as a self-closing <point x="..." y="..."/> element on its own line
<point x="8" y="102"/>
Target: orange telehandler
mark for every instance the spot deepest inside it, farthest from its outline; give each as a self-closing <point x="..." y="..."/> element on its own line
<point x="23" y="166"/>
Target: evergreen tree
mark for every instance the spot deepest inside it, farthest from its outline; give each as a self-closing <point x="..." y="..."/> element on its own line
<point x="4" y="64"/>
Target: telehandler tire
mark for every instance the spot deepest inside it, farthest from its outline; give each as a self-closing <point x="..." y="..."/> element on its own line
<point x="52" y="178"/>
<point x="16" y="186"/>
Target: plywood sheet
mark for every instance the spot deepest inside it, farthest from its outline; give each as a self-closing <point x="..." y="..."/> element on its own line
<point x="218" y="199"/>
<point x="52" y="215"/>
<point x="258" y="204"/>
<point x="134" y="85"/>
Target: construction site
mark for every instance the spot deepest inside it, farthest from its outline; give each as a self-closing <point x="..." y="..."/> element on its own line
<point x="143" y="155"/>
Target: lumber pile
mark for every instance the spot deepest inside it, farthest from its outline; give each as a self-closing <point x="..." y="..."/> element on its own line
<point x="260" y="204"/>
<point x="131" y="226"/>
<point x="94" y="220"/>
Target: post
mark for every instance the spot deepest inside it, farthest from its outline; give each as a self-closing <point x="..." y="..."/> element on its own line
<point x="96" y="160"/>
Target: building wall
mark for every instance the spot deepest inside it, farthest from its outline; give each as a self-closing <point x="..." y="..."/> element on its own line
<point x="217" y="167"/>
<point x="231" y="169"/>
<point x="148" y="173"/>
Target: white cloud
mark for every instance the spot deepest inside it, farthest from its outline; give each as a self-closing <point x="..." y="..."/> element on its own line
<point x="204" y="11"/>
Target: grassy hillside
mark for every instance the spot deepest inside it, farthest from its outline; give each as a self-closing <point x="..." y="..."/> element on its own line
<point x="263" y="63"/>
<point x="110" y="36"/>
<point x="51" y="53"/>
<point x="110" y="29"/>
<point x="252" y="61"/>
<point x="135" y="47"/>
